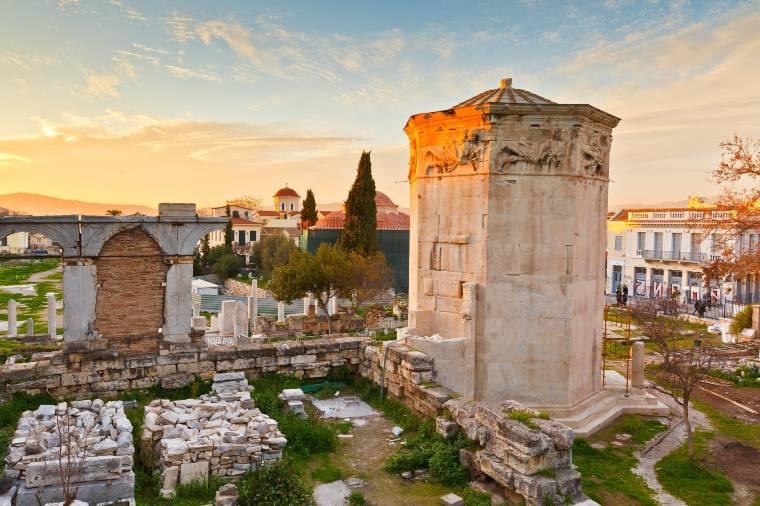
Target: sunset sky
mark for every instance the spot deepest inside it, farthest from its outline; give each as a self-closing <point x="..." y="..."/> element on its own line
<point x="146" y="101"/>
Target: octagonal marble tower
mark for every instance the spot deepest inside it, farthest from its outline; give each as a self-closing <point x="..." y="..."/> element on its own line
<point x="508" y="210"/>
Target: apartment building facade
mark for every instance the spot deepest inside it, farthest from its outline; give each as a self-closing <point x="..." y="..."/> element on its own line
<point x="657" y="252"/>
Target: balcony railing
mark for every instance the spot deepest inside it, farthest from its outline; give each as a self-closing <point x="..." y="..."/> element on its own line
<point x="676" y="256"/>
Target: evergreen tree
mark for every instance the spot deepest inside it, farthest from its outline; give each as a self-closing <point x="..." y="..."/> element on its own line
<point x="204" y="251"/>
<point x="359" y="232"/>
<point x="309" y="211"/>
<point x="228" y="234"/>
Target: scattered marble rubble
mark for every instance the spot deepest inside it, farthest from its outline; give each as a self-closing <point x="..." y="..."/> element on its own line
<point x="221" y="433"/>
<point x="100" y="450"/>
<point x="293" y="398"/>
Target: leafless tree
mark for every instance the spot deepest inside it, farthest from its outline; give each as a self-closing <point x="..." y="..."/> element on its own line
<point x="683" y="365"/>
<point x="75" y="446"/>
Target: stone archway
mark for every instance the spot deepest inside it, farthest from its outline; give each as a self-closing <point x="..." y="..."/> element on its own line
<point x="131" y="273"/>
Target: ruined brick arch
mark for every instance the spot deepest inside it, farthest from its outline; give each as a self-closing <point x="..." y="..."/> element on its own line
<point x="131" y="279"/>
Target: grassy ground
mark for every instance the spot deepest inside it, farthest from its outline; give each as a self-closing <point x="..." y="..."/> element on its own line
<point x="731" y="427"/>
<point x="692" y="481"/>
<point x="606" y="474"/>
<point x="30" y="306"/>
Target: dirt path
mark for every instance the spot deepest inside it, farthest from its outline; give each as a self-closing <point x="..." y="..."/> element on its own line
<point x="364" y="456"/>
<point x="646" y="466"/>
<point x="38" y="277"/>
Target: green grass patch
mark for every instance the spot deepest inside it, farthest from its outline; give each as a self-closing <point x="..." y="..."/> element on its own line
<point x="356" y="499"/>
<point x="391" y="335"/>
<point x="607" y="473"/>
<point x="731" y="427"/>
<point x="327" y="473"/>
<point x="690" y="480"/>
<point x="524" y="418"/>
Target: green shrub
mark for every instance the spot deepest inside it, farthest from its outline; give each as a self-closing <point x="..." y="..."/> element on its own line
<point x="307" y="437"/>
<point x="356" y="499"/>
<point x="742" y="320"/>
<point x="278" y="484"/>
<point x="445" y="466"/>
<point x="474" y="497"/>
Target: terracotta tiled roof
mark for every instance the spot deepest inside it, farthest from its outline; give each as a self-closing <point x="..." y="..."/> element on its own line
<point x="504" y="94"/>
<point x="286" y="192"/>
<point x="392" y="220"/>
<point x="264" y="212"/>
<point x="381" y="199"/>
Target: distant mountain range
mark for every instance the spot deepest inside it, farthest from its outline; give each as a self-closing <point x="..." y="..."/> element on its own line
<point x="33" y="203"/>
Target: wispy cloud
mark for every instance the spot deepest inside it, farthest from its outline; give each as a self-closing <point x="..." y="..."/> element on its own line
<point x="103" y="85"/>
<point x="180" y="27"/>
<point x="235" y="35"/>
<point x="24" y="61"/>
<point x="7" y="159"/>
<point x="186" y="73"/>
<point x="128" y="12"/>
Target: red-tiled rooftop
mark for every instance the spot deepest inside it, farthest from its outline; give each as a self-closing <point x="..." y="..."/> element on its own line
<point x="390" y="220"/>
<point x="286" y="192"/>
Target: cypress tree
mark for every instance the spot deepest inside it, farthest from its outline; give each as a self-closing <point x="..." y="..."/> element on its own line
<point x="359" y="232"/>
<point x="228" y="229"/>
<point x="204" y="251"/>
<point x="309" y="211"/>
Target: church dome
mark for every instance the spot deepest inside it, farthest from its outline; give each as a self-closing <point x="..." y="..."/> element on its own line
<point x="286" y="192"/>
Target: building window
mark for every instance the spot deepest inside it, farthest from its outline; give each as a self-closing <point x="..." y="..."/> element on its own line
<point x="241" y="236"/>
<point x="676" y="243"/>
<point x="618" y="243"/>
<point x="253" y="236"/>
<point x="282" y="206"/>
<point x="658" y="242"/>
<point x="292" y="206"/>
<point x="641" y="239"/>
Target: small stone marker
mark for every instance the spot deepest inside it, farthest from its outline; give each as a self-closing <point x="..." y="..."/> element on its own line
<point x="30" y="327"/>
<point x="623" y="437"/>
<point x="452" y="500"/>
<point x="12" y="325"/>
<point x="397" y="431"/>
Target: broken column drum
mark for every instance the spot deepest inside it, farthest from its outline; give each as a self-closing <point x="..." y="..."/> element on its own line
<point x="508" y="208"/>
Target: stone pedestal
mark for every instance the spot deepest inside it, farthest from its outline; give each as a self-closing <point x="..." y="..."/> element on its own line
<point x="227" y="318"/>
<point x="280" y="311"/>
<point x="29" y="327"/>
<point x="637" y="365"/>
<point x="12" y="323"/>
<point x="51" y="314"/>
<point x="253" y="306"/>
<point x="196" y="309"/>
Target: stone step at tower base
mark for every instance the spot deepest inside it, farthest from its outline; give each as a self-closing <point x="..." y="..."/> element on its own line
<point x="603" y="408"/>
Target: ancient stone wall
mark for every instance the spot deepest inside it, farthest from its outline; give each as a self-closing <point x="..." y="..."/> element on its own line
<point x="105" y="372"/>
<point x="130" y="268"/>
<point x="406" y="374"/>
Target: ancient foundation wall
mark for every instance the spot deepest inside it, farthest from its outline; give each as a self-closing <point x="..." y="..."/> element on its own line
<point x="407" y="374"/>
<point x="106" y="373"/>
